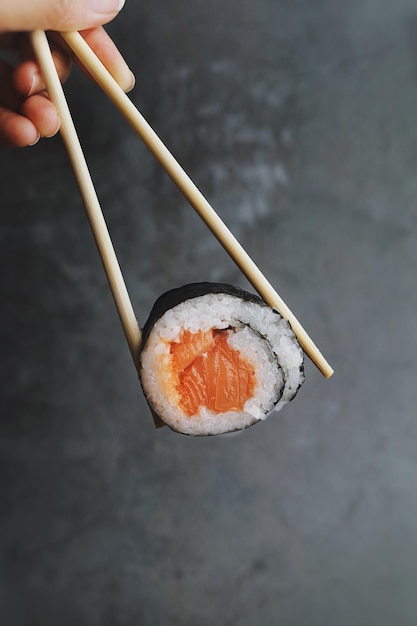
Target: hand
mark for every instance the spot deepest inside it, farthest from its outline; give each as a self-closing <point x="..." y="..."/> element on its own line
<point x="26" y="113"/>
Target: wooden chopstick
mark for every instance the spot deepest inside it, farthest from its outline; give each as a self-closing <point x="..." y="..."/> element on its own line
<point x="88" y="58"/>
<point x="97" y="222"/>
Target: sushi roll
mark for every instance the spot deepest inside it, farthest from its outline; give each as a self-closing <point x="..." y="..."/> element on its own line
<point x="217" y="359"/>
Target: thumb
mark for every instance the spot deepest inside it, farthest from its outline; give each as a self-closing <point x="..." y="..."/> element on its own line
<point x="64" y="15"/>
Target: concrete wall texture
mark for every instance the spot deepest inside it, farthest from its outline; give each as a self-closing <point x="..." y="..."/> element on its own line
<point x="297" y="120"/>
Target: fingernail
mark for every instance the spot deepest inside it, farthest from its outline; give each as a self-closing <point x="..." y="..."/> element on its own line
<point x="35" y="142"/>
<point x="132" y="83"/>
<point x="107" y="7"/>
<point x="54" y="133"/>
<point x="36" y="85"/>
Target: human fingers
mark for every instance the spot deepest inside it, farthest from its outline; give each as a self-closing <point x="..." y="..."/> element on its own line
<point x="23" y="120"/>
<point x="106" y="50"/>
<point x="65" y="15"/>
<point x="36" y="117"/>
<point x="27" y="77"/>
<point x="16" y="130"/>
<point x="42" y="113"/>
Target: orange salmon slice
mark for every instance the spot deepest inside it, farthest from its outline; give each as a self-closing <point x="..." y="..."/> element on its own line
<point x="211" y="373"/>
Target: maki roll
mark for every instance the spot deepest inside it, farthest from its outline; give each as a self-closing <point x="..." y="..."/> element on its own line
<point x="216" y="359"/>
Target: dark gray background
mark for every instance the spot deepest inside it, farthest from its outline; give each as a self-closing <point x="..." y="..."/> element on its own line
<point x="298" y="122"/>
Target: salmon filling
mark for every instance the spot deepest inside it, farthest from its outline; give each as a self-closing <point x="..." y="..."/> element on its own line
<point x="210" y="373"/>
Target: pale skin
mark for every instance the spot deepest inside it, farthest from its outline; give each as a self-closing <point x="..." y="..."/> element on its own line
<point x="26" y="113"/>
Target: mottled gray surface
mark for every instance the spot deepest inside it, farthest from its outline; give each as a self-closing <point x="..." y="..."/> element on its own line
<point x="298" y="122"/>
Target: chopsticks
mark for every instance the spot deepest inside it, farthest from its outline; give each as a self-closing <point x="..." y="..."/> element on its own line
<point x="97" y="222"/>
<point x="173" y="169"/>
<point x="88" y="58"/>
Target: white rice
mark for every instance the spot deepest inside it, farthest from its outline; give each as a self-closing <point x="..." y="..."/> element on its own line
<point x="260" y="335"/>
